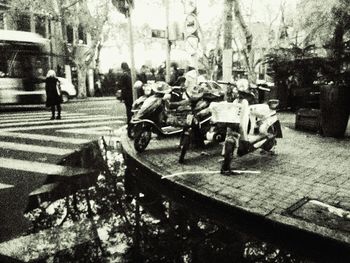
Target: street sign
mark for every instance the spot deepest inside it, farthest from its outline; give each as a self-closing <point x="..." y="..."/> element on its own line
<point x="158" y="33"/>
<point x="191" y="25"/>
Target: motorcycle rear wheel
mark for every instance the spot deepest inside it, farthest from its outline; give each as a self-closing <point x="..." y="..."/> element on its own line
<point x="142" y="139"/>
<point x="270" y="143"/>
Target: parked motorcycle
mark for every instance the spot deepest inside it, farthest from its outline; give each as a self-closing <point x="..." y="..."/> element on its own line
<point x="262" y="133"/>
<point x="254" y="95"/>
<point x="198" y="120"/>
<point x="152" y="117"/>
<point x="136" y="106"/>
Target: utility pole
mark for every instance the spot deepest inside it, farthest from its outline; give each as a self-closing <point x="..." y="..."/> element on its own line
<point x="168" y="43"/>
<point x="132" y="55"/>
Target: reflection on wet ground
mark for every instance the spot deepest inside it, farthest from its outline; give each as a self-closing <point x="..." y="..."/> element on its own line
<point x="13" y="201"/>
<point x="121" y="220"/>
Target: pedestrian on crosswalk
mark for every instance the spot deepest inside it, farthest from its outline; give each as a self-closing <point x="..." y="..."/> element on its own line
<point x="53" y="94"/>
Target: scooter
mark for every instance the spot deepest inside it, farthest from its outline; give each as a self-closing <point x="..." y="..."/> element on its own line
<point x="136" y="106"/>
<point x="198" y="119"/>
<point x="262" y="133"/>
<point x="152" y="116"/>
<point x="217" y="132"/>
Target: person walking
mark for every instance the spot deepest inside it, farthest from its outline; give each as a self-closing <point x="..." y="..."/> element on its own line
<point x="126" y="89"/>
<point x="174" y="74"/>
<point x="141" y="80"/>
<point x="53" y="94"/>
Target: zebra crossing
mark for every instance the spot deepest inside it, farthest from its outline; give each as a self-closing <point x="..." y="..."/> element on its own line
<point x="27" y="139"/>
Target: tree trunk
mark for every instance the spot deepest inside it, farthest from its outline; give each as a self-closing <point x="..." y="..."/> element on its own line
<point x="63" y="29"/>
<point x="98" y="53"/>
<point x="81" y="72"/>
<point x="247" y="52"/>
<point x="248" y="35"/>
<point x="227" y="52"/>
<point x="215" y="66"/>
<point x="228" y="24"/>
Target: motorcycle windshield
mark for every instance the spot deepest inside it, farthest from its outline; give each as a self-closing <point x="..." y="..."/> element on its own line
<point x="149" y="106"/>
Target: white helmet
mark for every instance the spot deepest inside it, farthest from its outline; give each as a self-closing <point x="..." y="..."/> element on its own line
<point x="138" y="84"/>
<point x="243" y="85"/>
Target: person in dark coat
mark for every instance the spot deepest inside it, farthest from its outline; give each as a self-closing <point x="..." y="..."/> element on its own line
<point x="142" y="76"/>
<point x="126" y="88"/>
<point x="174" y="74"/>
<point x="53" y="94"/>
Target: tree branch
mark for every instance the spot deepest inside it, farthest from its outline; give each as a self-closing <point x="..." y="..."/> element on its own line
<point x="248" y="35"/>
<point x="70" y="5"/>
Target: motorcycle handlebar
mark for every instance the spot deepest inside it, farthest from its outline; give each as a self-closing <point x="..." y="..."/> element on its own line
<point x="226" y="82"/>
<point x="263" y="88"/>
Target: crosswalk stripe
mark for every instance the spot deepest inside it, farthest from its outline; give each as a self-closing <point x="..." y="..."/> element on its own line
<point x="105" y="130"/>
<point x="31" y="120"/>
<point x="96" y="108"/>
<point x="44" y="117"/>
<point x="69" y="125"/>
<point x="34" y="148"/>
<point x="5" y="186"/>
<point x="47" y="117"/>
<point x="42" y="137"/>
<point x="39" y="167"/>
<point x="87" y="118"/>
<point x="13" y="114"/>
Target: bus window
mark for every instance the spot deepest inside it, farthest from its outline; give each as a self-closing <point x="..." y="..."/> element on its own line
<point x="23" y="64"/>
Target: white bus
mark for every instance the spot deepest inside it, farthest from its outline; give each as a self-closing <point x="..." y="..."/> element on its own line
<point x="23" y="65"/>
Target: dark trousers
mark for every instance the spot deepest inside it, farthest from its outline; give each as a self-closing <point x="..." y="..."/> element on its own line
<point x="58" y="106"/>
<point x="128" y="108"/>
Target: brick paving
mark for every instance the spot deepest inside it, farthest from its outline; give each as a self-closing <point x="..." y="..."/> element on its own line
<point x="304" y="165"/>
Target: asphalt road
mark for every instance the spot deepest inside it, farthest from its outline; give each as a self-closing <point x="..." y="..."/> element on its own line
<point x="29" y="134"/>
<point x="32" y="145"/>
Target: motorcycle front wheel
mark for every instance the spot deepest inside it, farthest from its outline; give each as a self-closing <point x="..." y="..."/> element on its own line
<point x="130" y="130"/>
<point x="185" y="144"/>
<point x="229" y="147"/>
<point x="142" y="138"/>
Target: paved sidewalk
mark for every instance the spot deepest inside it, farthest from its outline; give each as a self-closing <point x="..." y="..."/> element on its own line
<point x="305" y="185"/>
